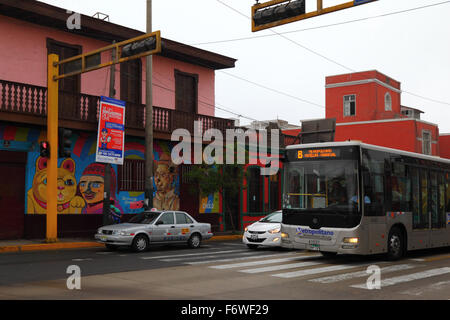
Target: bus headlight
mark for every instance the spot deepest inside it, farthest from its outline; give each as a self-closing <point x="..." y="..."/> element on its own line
<point x="351" y="240"/>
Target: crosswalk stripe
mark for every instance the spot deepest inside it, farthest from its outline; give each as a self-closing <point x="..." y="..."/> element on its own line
<point x="211" y="256"/>
<point x="260" y="262"/>
<point x="192" y="254"/>
<point x="257" y="255"/>
<point x="301" y="273"/>
<point x="407" y="278"/>
<point x="359" y="274"/>
<point x="281" y="267"/>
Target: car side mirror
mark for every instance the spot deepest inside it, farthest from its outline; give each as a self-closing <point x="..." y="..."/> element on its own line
<point x="159" y="222"/>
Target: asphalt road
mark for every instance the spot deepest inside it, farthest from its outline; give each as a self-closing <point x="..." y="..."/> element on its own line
<point x="221" y="271"/>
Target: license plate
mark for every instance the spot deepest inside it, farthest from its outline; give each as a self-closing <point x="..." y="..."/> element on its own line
<point x="314" y="245"/>
<point x="254" y="237"/>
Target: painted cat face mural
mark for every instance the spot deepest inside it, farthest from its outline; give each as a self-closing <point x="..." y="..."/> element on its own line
<point x="67" y="200"/>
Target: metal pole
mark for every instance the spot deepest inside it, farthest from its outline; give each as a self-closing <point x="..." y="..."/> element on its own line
<point x="52" y="137"/>
<point x="149" y="117"/>
<point x="107" y="174"/>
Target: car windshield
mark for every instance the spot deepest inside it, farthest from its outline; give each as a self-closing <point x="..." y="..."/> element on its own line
<point x="321" y="186"/>
<point x="272" y="218"/>
<point x="145" y="217"/>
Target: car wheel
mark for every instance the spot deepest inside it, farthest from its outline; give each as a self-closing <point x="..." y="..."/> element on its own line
<point x="396" y="246"/>
<point x="252" y="246"/>
<point x="195" y="240"/>
<point x="140" y="243"/>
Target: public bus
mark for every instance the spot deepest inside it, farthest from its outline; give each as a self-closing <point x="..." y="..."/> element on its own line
<point x="355" y="198"/>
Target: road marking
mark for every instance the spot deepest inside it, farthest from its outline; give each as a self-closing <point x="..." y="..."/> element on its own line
<point x="436" y="258"/>
<point x="409" y="277"/>
<point x="432" y="287"/>
<point x="260" y="262"/>
<point x="80" y="259"/>
<point x="359" y="274"/>
<point x="281" y="267"/>
<point x="257" y="255"/>
<point x="302" y="273"/>
<point x="212" y="256"/>
<point x="192" y="254"/>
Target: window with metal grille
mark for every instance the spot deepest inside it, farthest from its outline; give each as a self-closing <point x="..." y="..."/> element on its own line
<point x="131" y="175"/>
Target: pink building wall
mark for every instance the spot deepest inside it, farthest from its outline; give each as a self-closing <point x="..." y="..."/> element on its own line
<point x="24" y="59"/>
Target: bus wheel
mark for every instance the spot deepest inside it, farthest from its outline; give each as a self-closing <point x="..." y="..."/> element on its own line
<point x="395" y="244"/>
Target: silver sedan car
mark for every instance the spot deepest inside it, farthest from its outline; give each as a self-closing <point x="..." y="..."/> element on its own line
<point x="155" y="227"/>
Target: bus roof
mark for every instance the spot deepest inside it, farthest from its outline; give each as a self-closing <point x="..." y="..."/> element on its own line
<point x="368" y="146"/>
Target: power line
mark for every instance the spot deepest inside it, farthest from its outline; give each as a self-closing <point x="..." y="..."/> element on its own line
<point x="335" y="62"/>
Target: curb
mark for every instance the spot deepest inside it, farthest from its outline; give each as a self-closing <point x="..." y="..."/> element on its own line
<point x="49" y="246"/>
<point x="86" y="244"/>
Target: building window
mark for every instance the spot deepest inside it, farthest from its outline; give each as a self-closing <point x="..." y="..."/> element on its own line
<point x="426" y="142"/>
<point x="186" y="92"/>
<point x="349" y="105"/>
<point x="387" y="102"/>
<point x="131" y="81"/>
<point x="131" y="175"/>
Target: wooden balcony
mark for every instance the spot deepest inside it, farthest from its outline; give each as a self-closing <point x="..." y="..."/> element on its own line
<point x="24" y="103"/>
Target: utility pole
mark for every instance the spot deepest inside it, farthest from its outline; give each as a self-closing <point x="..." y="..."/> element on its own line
<point x="149" y="117"/>
<point x="107" y="173"/>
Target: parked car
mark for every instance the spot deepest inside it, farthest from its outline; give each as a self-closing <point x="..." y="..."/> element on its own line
<point x="155" y="227"/>
<point x="265" y="232"/>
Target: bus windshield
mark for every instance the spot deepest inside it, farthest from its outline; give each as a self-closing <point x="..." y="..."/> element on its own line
<point x="323" y="185"/>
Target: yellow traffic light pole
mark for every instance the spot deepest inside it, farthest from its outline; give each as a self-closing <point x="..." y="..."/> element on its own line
<point x="53" y="77"/>
<point x="52" y="137"/>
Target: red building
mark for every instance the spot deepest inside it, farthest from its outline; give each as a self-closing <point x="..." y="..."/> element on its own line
<point x="367" y="107"/>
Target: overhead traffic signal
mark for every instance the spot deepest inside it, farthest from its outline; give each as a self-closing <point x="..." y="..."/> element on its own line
<point x="64" y="143"/>
<point x="44" y="149"/>
<point x="279" y="12"/>
<point x="138" y="47"/>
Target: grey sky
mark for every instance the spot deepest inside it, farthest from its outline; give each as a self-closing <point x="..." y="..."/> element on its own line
<point x="412" y="47"/>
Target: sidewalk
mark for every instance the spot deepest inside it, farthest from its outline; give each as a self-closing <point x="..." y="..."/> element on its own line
<point x="23" y="245"/>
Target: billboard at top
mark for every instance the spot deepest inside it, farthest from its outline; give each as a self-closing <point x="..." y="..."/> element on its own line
<point x="111" y="131"/>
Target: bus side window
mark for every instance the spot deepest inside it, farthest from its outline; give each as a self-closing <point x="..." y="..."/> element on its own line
<point x="415" y="197"/>
<point x="373" y="175"/>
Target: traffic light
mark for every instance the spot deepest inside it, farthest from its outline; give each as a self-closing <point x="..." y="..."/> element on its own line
<point x="64" y="142"/>
<point x="278" y="13"/>
<point x="138" y="47"/>
<point x="44" y="149"/>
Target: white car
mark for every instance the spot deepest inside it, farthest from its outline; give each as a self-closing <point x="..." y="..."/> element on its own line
<point x="265" y="232"/>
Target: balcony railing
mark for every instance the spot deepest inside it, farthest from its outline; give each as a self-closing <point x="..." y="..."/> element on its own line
<point x="27" y="99"/>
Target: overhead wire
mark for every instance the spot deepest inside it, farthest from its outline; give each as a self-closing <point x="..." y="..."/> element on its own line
<point x="337" y="63"/>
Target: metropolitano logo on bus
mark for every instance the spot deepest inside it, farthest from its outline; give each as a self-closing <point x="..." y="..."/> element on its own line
<point x="234" y="144"/>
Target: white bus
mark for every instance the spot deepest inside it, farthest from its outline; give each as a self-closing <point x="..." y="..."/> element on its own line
<point x="356" y="198"/>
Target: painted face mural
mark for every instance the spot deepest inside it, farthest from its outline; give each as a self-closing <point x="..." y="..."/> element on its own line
<point x="165" y="196"/>
<point x="91" y="187"/>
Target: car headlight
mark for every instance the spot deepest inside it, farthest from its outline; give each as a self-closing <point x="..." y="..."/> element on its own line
<point x="276" y="230"/>
<point x="99" y="231"/>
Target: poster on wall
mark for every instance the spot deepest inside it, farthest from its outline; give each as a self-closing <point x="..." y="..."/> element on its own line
<point x="111" y="131"/>
<point x="210" y="203"/>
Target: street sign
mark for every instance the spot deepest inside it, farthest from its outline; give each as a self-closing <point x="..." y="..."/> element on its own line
<point x="111" y="131"/>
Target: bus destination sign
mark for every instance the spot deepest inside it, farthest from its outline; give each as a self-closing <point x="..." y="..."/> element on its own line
<point x="318" y="153"/>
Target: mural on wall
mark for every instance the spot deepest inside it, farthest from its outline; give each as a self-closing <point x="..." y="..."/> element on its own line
<point x="67" y="201"/>
<point x="165" y="196"/>
<point x="81" y="179"/>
